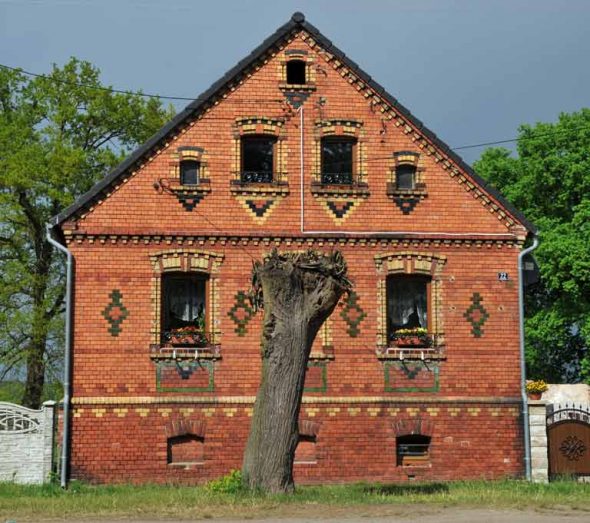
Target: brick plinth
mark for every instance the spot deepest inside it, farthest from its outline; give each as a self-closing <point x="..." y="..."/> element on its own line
<point x="354" y="442"/>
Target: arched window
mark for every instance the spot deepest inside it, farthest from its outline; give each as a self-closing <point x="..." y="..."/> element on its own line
<point x="412" y="450"/>
<point x="296" y="72"/>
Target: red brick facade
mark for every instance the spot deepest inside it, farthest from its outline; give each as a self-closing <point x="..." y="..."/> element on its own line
<point x="145" y="413"/>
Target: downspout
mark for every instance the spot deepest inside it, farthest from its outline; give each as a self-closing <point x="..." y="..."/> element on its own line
<point x="68" y="361"/>
<point x="525" y="404"/>
<point x="301" y="165"/>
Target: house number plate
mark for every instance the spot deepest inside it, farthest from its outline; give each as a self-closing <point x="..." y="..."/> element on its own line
<point x="503" y="276"/>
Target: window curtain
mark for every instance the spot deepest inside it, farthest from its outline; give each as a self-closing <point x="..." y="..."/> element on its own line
<point x="406" y="304"/>
<point x="184" y="302"/>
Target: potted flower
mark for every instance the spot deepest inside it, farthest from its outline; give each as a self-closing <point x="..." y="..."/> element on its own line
<point x="415" y="337"/>
<point x="187" y="335"/>
<point x="535" y="389"/>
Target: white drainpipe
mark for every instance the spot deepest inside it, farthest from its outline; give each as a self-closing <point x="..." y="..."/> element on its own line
<point x="67" y="359"/>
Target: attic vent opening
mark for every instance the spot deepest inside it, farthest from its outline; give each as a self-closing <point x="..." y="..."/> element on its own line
<point x="296" y="72"/>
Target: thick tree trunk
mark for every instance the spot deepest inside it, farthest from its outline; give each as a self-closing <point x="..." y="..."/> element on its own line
<point x="299" y="291"/>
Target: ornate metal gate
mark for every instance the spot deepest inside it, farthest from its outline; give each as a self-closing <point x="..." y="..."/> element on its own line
<point x="568" y="431"/>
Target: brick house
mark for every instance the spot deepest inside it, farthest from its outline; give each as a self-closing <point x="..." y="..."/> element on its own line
<point x="295" y="148"/>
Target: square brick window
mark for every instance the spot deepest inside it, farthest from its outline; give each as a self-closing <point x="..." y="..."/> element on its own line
<point x="258" y="162"/>
<point x="186" y="450"/>
<point x="408" y="310"/>
<point x="189" y="172"/>
<point x="184" y="309"/>
<point x="337" y="166"/>
<point x="413" y="450"/>
<point x="296" y="72"/>
<point x="305" y="453"/>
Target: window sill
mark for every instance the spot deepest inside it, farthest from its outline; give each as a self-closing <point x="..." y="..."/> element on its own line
<point x="419" y="191"/>
<point x="203" y="187"/>
<point x="169" y="353"/>
<point x="187" y="465"/>
<point x="327" y="354"/>
<point x="411" y="353"/>
<point x="358" y="190"/>
<point x="307" y="87"/>
<point x="247" y="188"/>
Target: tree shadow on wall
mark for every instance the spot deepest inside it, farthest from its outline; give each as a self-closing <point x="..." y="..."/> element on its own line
<point x="405" y="489"/>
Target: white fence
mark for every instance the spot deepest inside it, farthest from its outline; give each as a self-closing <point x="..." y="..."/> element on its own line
<point x="26" y="442"/>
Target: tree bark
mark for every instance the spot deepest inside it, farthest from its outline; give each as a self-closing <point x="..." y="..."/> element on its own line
<point x="299" y="292"/>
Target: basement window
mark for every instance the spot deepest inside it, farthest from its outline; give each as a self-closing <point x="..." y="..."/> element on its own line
<point x="296" y="72"/>
<point x="258" y="159"/>
<point x="413" y="450"/>
<point x="189" y="172"/>
<point x="337" y="160"/>
<point x="305" y="453"/>
<point x="186" y="450"/>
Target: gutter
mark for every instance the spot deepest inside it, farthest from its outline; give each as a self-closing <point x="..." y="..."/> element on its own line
<point x="64" y="461"/>
<point x="525" y="403"/>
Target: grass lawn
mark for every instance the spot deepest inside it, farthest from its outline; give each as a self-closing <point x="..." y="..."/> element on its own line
<point x="32" y="503"/>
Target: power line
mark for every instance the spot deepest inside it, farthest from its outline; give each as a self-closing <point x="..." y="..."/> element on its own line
<point x="267" y="100"/>
<point x="120" y="91"/>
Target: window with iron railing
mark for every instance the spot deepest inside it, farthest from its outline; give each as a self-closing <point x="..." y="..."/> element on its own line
<point x="337" y="160"/>
<point x="258" y="162"/>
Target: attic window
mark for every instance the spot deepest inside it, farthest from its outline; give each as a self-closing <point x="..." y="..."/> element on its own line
<point x="258" y="159"/>
<point x="189" y="172"/>
<point x="296" y="72"/>
<point x="405" y="176"/>
<point x="413" y="450"/>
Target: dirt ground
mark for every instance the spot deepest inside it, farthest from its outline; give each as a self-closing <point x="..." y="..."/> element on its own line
<point x="413" y="514"/>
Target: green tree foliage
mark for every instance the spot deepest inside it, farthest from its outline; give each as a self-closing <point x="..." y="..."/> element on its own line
<point x="58" y="135"/>
<point x="549" y="181"/>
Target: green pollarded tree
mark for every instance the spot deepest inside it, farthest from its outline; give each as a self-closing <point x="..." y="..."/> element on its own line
<point x="59" y="135"/>
<point x="549" y="180"/>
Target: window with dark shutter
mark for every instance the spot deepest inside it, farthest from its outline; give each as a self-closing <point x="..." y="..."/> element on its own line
<point x="296" y="72"/>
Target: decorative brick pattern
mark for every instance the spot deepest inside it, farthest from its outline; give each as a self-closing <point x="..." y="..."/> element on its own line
<point x="411" y="376"/>
<point x="115" y="312"/>
<point x="316" y="377"/>
<point x="476" y="315"/>
<point x="353" y="314"/>
<point x="241" y="313"/>
<point x="186" y="376"/>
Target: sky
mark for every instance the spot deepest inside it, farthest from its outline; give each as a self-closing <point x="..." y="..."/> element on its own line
<point x="471" y="70"/>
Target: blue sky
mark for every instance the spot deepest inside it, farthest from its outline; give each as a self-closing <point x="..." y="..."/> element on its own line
<point x="472" y="71"/>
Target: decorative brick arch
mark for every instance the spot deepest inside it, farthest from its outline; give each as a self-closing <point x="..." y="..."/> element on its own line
<point x="411" y="427"/>
<point x="184" y="427"/>
<point x="410" y="262"/>
<point x="309" y="428"/>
